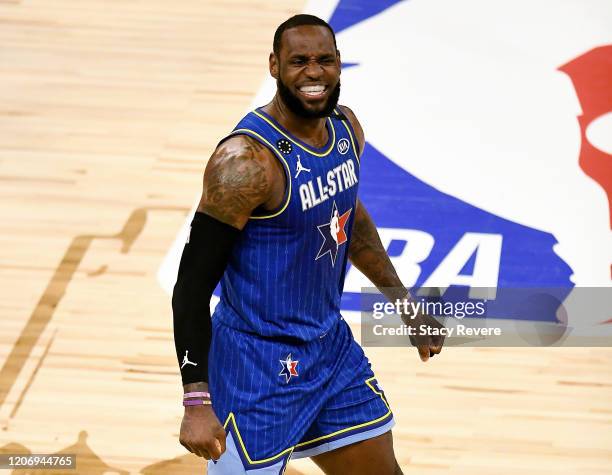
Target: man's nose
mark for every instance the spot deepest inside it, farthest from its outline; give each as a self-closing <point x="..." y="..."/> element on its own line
<point x="313" y="70"/>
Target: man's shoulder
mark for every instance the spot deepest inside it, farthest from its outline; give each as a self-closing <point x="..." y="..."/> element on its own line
<point x="346" y="110"/>
<point x="350" y="115"/>
<point x="242" y="148"/>
<point x="352" y="118"/>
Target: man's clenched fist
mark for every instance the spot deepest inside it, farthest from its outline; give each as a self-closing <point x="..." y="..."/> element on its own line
<point x="202" y="433"/>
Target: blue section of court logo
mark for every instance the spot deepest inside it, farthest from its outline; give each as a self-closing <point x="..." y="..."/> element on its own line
<point x="398" y="200"/>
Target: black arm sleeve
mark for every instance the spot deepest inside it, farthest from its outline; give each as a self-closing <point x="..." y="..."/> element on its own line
<point x="203" y="262"/>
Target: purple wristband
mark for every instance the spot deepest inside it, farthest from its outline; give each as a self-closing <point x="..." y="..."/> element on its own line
<point x="196" y="394"/>
<point x="197" y="402"/>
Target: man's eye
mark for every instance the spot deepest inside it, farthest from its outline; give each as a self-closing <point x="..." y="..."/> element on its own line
<point x="297" y="61"/>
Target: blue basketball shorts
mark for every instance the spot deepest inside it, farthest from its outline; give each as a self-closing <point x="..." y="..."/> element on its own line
<point x="280" y="400"/>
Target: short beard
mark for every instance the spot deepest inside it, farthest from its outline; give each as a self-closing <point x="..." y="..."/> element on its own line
<point x="295" y="105"/>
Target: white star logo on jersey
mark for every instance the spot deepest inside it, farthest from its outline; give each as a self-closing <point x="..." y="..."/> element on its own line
<point x="333" y="234"/>
<point x="289" y="368"/>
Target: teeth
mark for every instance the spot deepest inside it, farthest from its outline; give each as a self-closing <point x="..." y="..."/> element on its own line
<point x="312" y="89"/>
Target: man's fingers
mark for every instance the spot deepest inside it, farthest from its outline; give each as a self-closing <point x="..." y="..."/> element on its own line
<point x="436" y="348"/>
<point x="221" y="438"/>
<point x="197" y="450"/>
<point x="423" y="352"/>
<point x="186" y="445"/>
<point x="422" y="344"/>
<point x="200" y="450"/>
<point x="438" y="343"/>
<point x="214" y="449"/>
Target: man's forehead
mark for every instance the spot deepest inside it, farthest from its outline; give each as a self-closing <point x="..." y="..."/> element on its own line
<point x="307" y="39"/>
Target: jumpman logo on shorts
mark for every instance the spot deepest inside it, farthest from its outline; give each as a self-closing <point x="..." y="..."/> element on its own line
<point x="300" y="167"/>
<point x="186" y="360"/>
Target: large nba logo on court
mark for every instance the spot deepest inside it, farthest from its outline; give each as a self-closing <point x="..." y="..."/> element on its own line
<point x="467" y="166"/>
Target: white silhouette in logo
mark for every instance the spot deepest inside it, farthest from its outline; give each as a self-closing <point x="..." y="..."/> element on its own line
<point x="300" y="167"/>
<point x="334" y="227"/>
<point x="186" y="360"/>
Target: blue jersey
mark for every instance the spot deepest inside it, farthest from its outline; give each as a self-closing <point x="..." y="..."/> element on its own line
<point x="286" y="273"/>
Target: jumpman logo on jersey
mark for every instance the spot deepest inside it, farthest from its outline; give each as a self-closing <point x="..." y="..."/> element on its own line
<point x="289" y="368"/>
<point x="300" y="167"/>
<point x="186" y="360"/>
<point x="333" y="234"/>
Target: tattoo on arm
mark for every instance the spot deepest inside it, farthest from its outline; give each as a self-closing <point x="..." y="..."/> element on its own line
<point x="368" y="254"/>
<point x="236" y="181"/>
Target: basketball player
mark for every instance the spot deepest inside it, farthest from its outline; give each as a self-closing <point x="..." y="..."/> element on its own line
<point x="276" y="373"/>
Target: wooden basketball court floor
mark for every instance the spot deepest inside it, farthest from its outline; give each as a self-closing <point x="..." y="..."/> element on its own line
<point x="108" y="112"/>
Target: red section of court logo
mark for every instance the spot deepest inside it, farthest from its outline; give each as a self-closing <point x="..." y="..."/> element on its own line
<point x="591" y="74"/>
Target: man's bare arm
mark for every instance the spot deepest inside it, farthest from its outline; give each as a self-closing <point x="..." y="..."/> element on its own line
<point x="366" y="251"/>
<point x="368" y="254"/>
<point x="240" y="176"/>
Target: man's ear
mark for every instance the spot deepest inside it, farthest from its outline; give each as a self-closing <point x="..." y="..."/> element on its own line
<point x="273" y="65"/>
<point x="339" y="60"/>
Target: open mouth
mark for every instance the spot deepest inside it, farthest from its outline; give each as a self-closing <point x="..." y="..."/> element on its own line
<point x="313" y="92"/>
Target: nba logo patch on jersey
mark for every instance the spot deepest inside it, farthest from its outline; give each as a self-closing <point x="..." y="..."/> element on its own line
<point x="334" y="234"/>
<point x="289" y="368"/>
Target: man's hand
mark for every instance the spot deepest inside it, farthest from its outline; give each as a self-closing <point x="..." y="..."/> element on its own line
<point x="202" y="433"/>
<point x="430" y="343"/>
